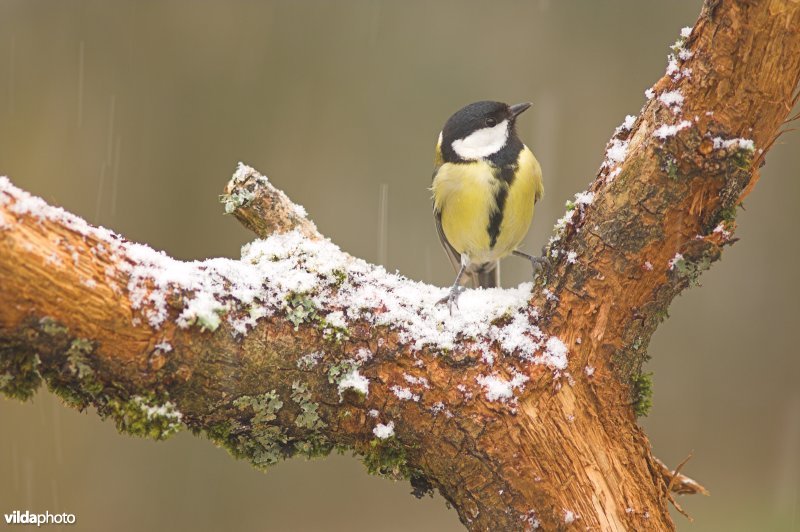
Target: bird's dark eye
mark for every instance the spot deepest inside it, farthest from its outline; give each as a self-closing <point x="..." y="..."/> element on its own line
<point x="491" y="122"/>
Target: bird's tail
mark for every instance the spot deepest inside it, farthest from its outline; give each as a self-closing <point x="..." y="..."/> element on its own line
<point x="487" y="275"/>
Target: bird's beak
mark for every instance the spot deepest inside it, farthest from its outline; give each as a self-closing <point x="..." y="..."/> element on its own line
<point x="516" y="110"/>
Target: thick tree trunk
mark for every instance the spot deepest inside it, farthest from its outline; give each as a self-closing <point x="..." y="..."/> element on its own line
<point x="520" y="409"/>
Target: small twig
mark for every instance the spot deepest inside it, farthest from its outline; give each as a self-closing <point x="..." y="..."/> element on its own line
<point x="678" y="482"/>
<point x="685" y="485"/>
<point x="262" y="208"/>
<point x="677" y="472"/>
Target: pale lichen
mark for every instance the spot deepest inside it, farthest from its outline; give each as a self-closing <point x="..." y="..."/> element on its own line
<point x="309" y="415"/>
<point x="263" y="443"/>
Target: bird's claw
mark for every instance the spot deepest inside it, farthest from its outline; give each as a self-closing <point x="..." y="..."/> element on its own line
<point x="537" y="263"/>
<point x="452" y="298"/>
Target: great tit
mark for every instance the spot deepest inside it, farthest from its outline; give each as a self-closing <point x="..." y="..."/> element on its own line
<point x="485" y="185"/>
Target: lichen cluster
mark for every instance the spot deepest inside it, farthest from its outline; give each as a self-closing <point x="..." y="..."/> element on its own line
<point x="71" y="375"/>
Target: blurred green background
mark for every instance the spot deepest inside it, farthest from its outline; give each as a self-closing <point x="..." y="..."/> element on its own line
<point x="134" y="115"/>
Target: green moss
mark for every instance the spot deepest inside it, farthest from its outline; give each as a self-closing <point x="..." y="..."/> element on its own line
<point x="316" y="446"/>
<point x="144" y="416"/>
<point x="728" y="213"/>
<point x="642" y="392"/>
<point x="339" y="277"/>
<point x="743" y="158"/>
<point x="219" y="433"/>
<point x="737" y="171"/>
<point x="628" y="362"/>
<point x="387" y="458"/>
<point x="70" y="373"/>
<point x="19" y="372"/>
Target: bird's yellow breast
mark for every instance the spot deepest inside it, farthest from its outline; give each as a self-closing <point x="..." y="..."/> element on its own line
<point x="465" y="194"/>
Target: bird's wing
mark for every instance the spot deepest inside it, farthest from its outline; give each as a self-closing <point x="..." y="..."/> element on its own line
<point x="452" y="254"/>
<point x="483" y="275"/>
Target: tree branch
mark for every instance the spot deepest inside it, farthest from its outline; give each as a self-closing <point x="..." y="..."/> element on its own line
<point x="520" y="410"/>
<point x="262" y="208"/>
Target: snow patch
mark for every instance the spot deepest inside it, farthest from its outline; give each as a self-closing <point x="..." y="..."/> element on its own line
<point x="617" y="151"/>
<point x="672" y="99"/>
<point x="164" y="346"/>
<point x="354" y="381"/>
<point x="737" y="143"/>
<point x="500" y="389"/>
<point x="584" y="198"/>
<point x="168" y="410"/>
<point x="404" y="394"/>
<point x="418" y="381"/>
<point x="278" y="273"/>
<point x="556" y="353"/>
<point x="336" y="319"/>
<point x="626" y="125"/>
<point x="665" y="131"/>
<point x="382" y="431"/>
<point x="723" y="232"/>
<point x="204" y="310"/>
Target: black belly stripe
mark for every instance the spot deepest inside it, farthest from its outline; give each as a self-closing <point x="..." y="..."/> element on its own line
<point x="507" y="174"/>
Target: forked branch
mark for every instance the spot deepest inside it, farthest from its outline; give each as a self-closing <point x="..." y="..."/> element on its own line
<point x="520" y="409"/>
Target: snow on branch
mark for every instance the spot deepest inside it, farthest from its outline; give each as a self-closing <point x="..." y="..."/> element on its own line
<point x="298" y="275"/>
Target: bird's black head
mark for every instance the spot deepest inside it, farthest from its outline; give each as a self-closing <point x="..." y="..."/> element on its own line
<point x="480" y="130"/>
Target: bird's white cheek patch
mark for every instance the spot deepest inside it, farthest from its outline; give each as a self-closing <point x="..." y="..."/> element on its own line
<point x="483" y="142"/>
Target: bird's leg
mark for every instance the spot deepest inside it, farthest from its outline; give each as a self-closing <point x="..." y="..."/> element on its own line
<point x="536" y="262"/>
<point x="452" y="298"/>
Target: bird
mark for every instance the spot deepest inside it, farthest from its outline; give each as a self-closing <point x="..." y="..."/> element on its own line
<point x="486" y="182"/>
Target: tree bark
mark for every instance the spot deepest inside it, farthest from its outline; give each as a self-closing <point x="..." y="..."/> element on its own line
<point x="524" y="418"/>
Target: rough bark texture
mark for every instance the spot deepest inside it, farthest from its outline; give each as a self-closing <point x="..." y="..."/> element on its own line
<point x="564" y="452"/>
